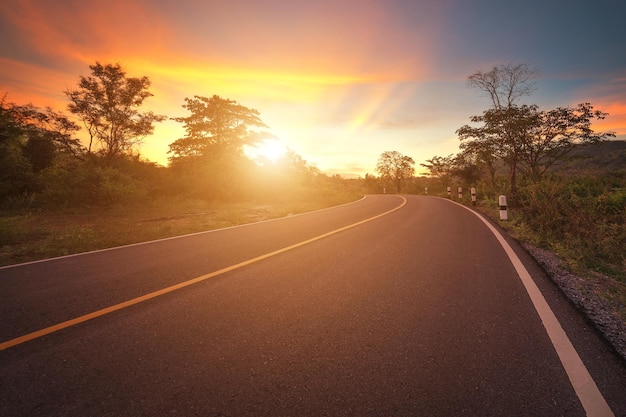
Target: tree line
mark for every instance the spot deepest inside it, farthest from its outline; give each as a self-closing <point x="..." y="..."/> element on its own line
<point x="42" y="162"/>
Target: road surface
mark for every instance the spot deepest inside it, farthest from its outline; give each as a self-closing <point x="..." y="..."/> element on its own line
<point x="389" y="306"/>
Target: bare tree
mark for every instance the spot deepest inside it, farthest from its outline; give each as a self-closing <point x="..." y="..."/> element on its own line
<point x="505" y="84"/>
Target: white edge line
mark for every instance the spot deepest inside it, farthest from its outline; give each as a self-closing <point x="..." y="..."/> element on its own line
<point x="586" y="389"/>
<point x="130" y="245"/>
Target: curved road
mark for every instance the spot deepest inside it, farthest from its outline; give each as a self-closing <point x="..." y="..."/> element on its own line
<point x="389" y="306"/>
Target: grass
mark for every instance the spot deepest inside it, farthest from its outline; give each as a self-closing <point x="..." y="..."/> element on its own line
<point x="608" y="283"/>
<point x="33" y="235"/>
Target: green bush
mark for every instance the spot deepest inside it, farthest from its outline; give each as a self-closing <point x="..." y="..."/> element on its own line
<point x="583" y="218"/>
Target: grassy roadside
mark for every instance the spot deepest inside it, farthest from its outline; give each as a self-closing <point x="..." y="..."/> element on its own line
<point x="33" y="235"/>
<point x="581" y="283"/>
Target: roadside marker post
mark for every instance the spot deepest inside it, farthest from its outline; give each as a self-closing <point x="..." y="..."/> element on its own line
<point x="473" y="190"/>
<point x="426" y="190"/>
<point x="504" y="215"/>
<point x="449" y="193"/>
<point x="460" y="189"/>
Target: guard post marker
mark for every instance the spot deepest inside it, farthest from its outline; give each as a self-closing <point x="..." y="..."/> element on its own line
<point x="449" y="193"/>
<point x="504" y="215"/>
<point x="426" y="190"/>
<point x="473" y="190"/>
<point x="460" y="189"/>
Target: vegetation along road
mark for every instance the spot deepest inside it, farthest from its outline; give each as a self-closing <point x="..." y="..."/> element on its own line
<point x="405" y="306"/>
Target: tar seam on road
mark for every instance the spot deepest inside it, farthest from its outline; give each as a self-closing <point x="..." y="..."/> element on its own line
<point x="586" y="389"/>
<point x="140" y="299"/>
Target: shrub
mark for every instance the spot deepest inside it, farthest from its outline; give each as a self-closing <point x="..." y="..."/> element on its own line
<point x="581" y="217"/>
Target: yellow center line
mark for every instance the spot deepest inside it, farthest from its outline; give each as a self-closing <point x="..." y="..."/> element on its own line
<point x="146" y="297"/>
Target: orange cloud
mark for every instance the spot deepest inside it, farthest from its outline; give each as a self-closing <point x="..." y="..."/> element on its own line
<point x="615" y="121"/>
<point x="296" y="62"/>
<point x="30" y="83"/>
<point x="87" y="31"/>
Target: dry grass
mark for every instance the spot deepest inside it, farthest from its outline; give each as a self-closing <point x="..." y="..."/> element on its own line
<point x="32" y="235"/>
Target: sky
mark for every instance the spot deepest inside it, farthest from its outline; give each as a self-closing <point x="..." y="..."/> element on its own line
<point x="337" y="81"/>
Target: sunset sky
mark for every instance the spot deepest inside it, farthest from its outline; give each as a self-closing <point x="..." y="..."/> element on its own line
<point x="337" y="81"/>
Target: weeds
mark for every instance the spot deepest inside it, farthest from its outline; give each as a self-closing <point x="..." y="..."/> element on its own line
<point x="34" y="235"/>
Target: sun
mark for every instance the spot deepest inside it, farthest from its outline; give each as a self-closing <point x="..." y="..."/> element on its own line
<point x="267" y="150"/>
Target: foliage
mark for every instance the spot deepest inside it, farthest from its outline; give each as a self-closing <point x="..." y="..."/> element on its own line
<point x="505" y="85"/>
<point x="552" y="136"/>
<point x="395" y="168"/>
<point x="98" y="181"/>
<point x="31" y="140"/>
<point x="440" y="167"/>
<point x="580" y="216"/>
<point x="107" y="102"/>
<point x="583" y="218"/>
<point x="215" y="127"/>
<point x="527" y="138"/>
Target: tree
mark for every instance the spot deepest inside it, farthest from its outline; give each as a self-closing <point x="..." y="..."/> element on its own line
<point x="466" y="168"/>
<point x="532" y="139"/>
<point x="15" y="170"/>
<point x="503" y="133"/>
<point x="46" y="133"/>
<point x="505" y="84"/>
<point x="483" y="153"/>
<point x="504" y="124"/>
<point x="441" y="168"/>
<point x="552" y="135"/>
<point x="216" y="127"/>
<point x="107" y="102"/>
<point x="395" y="167"/>
<point x="30" y="141"/>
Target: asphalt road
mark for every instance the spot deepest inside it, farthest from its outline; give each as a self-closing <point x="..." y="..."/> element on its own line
<point x="417" y="312"/>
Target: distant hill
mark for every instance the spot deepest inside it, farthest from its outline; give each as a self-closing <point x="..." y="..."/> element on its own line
<point x="604" y="158"/>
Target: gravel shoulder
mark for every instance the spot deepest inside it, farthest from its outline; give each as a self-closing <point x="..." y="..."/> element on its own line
<point x="594" y="295"/>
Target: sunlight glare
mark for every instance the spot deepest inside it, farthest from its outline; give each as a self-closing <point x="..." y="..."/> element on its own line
<point x="268" y="150"/>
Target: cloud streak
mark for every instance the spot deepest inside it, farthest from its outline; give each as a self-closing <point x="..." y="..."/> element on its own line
<point x="339" y="81"/>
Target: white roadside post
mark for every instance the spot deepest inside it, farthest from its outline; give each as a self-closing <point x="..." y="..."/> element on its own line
<point x="473" y="190"/>
<point x="503" y="210"/>
<point x="449" y="193"/>
<point x="460" y="190"/>
<point x="426" y="190"/>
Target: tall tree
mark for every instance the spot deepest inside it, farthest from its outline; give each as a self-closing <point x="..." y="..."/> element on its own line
<point x="108" y="104"/>
<point x="505" y="85"/>
<point x="216" y="127"/>
<point x="395" y="167"/>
